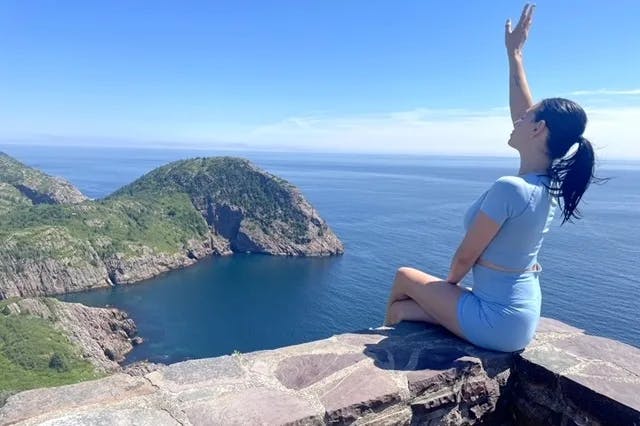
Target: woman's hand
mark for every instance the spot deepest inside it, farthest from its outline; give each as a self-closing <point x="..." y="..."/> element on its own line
<point x="514" y="40"/>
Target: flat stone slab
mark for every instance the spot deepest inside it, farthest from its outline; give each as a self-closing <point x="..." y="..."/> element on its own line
<point x="550" y="325"/>
<point x="256" y="406"/>
<point x="364" y="390"/>
<point x="115" y="417"/>
<point x="202" y="370"/>
<point x="595" y="348"/>
<point x="300" y="371"/>
<point x="551" y="358"/>
<point x="109" y="390"/>
<point x="209" y="376"/>
<point x="607" y="367"/>
<point x="599" y="376"/>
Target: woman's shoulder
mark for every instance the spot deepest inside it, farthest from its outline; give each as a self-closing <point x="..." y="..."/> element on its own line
<point x="514" y="187"/>
<point x="528" y="181"/>
<point x="511" y="182"/>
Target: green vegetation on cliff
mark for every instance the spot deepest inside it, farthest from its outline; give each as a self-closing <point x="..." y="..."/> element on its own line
<point x="262" y="198"/>
<point x="11" y="198"/>
<point x="20" y="185"/>
<point x="158" y="211"/>
<point x="14" y="173"/>
<point x="34" y="354"/>
<point x="173" y="215"/>
<point x="164" y="223"/>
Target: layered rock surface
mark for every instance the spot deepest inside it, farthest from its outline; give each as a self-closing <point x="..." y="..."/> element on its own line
<point x="413" y="374"/>
<point x="103" y="335"/>
<point x="168" y="219"/>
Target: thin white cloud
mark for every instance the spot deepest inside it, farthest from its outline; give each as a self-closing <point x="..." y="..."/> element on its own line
<point x="420" y="130"/>
<point x="606" y="92"/>
<point x="480" y="132"/>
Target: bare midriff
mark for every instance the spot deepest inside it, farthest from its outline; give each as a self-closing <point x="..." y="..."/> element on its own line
<point x="535" y="268"/>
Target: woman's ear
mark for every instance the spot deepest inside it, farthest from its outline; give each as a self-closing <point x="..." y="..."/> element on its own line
<point x="539" y="127"/>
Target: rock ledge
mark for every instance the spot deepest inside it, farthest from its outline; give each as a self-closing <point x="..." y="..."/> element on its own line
<point x="413" y="374"/>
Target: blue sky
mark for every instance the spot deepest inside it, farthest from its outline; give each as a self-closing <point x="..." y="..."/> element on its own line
<point x="331" y="75"/>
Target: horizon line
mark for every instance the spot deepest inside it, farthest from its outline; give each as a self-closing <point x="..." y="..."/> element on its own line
<point x="288" y="150"/>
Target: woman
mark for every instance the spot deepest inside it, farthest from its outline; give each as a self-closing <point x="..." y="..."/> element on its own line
<point x="505" y="226"/>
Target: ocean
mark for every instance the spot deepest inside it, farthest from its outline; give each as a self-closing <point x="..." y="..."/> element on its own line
<point x="389" y="211"/>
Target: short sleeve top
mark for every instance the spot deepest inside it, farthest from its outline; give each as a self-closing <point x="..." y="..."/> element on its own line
<point x="524" y="209"/>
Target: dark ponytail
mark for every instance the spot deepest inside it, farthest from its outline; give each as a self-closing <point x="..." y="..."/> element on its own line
<point x="570" y="175"/>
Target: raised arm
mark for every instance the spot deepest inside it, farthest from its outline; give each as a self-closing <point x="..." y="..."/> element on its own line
<point x="519" y="94"/>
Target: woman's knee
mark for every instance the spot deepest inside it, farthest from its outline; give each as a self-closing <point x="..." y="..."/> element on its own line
<point x="414" y="276"/>
<point x="404" y="272"/>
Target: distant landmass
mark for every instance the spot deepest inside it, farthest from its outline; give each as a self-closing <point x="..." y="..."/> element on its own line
<point x="55" y="240"/>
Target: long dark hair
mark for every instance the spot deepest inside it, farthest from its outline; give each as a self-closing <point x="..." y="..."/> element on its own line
<point x="570" y="175"/>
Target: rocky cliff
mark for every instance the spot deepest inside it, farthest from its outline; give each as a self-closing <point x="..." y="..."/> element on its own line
<point x="45" y="342"/>
<point x="168" y="219"/>
<point x="102" y="335"/>
<point x="254" y="210"/>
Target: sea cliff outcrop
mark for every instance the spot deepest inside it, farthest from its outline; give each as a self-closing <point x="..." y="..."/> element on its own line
<point x="168" y="219"/>
<point x="254" y="210"/>
<point x="103" y="335"/>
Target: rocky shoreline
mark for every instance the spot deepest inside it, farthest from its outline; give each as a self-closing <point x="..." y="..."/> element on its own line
<point x="168" y="219"/>
<point x="104" y="336"/>
<point x="59" y="276"/>
<point x="55" y="240"/>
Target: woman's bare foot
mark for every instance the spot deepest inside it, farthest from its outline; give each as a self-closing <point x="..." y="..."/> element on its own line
<point x="407" y="310"/>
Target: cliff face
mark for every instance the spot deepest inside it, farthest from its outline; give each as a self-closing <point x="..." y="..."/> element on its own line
<point x="168" y="219"/>
<point x="147" y="263"/>
<point x="255" y="211"/>
<point x="103" y="335"/>
<point x="45" y="342"/>
<point x="48" y="260"/>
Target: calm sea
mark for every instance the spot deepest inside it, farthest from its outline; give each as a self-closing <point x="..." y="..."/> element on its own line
<point x="389" y="211"/>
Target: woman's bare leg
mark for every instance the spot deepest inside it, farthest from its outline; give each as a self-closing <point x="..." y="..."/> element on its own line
<point x="436" y="297"/>
<point x="398" y="292"/>
<point x="408" y="310"/>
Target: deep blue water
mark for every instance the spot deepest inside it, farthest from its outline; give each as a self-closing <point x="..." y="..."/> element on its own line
<point x="389" y="211"/>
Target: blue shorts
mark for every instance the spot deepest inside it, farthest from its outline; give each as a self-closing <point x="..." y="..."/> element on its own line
<point x="502" y="311"/>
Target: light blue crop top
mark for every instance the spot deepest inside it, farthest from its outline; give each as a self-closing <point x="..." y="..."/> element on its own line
<point x="525" y="209"/>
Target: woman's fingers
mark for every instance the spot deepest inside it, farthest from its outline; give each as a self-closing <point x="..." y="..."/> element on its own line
<point x="507" y="32"/>
<point x="525" y="18"/>
<point x="530" y="13"/>
<point x="524" y="13"/>
<point x="529" y="19"/>
<point x="516" y="37"/>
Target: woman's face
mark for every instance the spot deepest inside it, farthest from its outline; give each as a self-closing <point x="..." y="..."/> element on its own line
<point x="525" y="129"/>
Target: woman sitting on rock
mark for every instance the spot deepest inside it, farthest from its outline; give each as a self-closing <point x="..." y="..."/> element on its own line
<point x="506" y="225"/>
